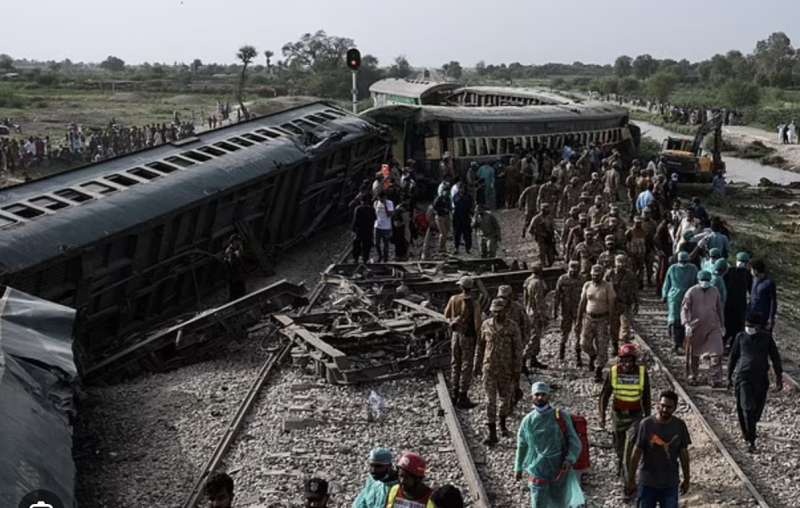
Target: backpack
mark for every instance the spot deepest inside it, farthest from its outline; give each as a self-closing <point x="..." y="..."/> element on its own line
<point x="582" y="429"/>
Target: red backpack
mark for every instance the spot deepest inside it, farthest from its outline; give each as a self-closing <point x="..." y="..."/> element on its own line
<point x="582" y="429"/>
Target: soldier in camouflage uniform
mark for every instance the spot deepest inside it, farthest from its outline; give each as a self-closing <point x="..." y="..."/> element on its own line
<point x="597" y="210"/>
<point x="596" y="305"/>
<point x="606" y="258"/>
<point x="543" y="230"/>
<point x="571" y="196"/>
<point x="550" y="192"/>
<point x="616" y="228"/>
<point x="570" y="221"/>
<point x="536" y="307"/>
<point x="588" y="251"/>
<point x="575" y="236"/>
<point x="632" y="187"/>
<point x="636" y="247"/>
<point x="649" y="225"/>
<point x="499" y="345"/>
<point x="610" y="183"/>
<point x="490" y="233"/>
<point x="463" y="312"/>
<point x="626" y="289"/>
<point x="527" y="203"/>
<point x="567" y="298"/>
<point x="585" y="202"/>
<point x="516" y="313"/>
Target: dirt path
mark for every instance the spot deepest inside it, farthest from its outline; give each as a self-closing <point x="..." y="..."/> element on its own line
<point x="742" y="135"/>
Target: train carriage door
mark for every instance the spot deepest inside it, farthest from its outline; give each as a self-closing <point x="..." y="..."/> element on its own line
<point x="434" y="147"/>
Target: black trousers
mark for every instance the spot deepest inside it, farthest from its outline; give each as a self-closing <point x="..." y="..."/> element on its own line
<point x="751" y="397"/>
<point x="462" y="232"/>
<point x="678" y="333"/>
<point x="362" y="246"/>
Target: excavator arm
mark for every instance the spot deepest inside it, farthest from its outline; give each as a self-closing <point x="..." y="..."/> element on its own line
<point x="712" y="125"/>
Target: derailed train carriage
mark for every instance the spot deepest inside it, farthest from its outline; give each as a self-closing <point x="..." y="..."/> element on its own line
<point x="131" y="241"/>
<point x="426" y="133"/>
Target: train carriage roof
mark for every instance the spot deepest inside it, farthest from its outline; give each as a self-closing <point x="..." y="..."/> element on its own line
<point x="498" y="114"/>
<point x="31" y="241"/>
<point x="410" y="88"/>
<point x="521" y="92"/>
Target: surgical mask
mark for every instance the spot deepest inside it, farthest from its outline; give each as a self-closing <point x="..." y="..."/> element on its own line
<point x="705" y="284"/>
<point x="749" y="330"/>
<point x="543" y="408"/>
<point x="740" y="264"/>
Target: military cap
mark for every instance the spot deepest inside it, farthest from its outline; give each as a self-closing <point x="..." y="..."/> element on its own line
<point x="597" y="269"/>
<point x="620" y="258"/>
<point x="574" y="264"/>
<point x="465" y="282"/>
<point x="609" y="238"/>
<point x="504" y="291"/>
<point x="497" y="304"/>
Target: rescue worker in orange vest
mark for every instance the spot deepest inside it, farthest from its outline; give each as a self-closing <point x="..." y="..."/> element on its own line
<point x="629" y="385"/>
<point x="411" y="492"/>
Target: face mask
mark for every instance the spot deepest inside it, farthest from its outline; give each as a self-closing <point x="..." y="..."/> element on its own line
<point x="749" y="330"/>
<point x="541" y="408"/>
<point x="739" y="264"/>
<point x="705" y="284"/>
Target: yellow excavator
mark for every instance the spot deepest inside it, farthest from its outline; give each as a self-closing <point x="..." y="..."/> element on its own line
<point x="689" y="159"/>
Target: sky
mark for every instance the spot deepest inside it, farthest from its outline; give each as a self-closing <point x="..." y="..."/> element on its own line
<point x="428" y="32"/>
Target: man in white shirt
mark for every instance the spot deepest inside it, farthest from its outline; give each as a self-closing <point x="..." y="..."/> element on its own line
<point x="383" y="226"/>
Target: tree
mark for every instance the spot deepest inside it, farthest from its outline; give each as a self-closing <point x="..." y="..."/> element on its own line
<point x="740" y="94"/>
<point x="400" y="69"/>
<point x="6" y="62"/>
<point x="268" y="55"/>
<point x="644" y="66"/>
<point x="452" y="69"/>
<point x="113" y="64"/>
<point x="773" y="58"/>
<point x="629" y="85"/>
<point x="245" y="55"/>
<point x="661" y="85"/>
<point x="480" y="68"/>
<point x="196" y="65"/>
<point x="317" y="52"/>
<point x="622" y="66"/>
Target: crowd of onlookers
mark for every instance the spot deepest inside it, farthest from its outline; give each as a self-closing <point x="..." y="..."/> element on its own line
<point x="682" y="114"/>
<point x="84" y="145"/>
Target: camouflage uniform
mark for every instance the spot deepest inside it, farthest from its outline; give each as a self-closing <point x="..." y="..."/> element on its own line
<point x="626" y="289"/>
<point x="498" y="348"/>
<point x="543" y="230"/>
<point x="570" y="197"/>
<point x="596" y="213"/>
<point x="569" y="222"/>
<point x="587" y="252"/>
<point x="610" y="184"/>
<point x="633" y="189"/>
<point x="567" y="298"/>
<point x="549" y="192"/>
<point x="574" y="237"/>
<point x="516" y="313"/>
<point x="490" y="235"/>
<point x="462" y="345"/>
<point x="649" y="226"/>
<point x="636" y="247"/>
<point x="536" y="308"/>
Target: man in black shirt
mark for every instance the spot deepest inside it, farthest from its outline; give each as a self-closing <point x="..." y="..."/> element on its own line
<point x="738" y="281"/>
<point x="363" y="222"/>
<point x="749" y="365"/>
<point x="661" y="441"/>
<point x="462" y="220"/>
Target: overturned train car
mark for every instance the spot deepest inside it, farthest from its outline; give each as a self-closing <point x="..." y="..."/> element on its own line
<point x="468" y="133"/>
<point x="131" y="241"/>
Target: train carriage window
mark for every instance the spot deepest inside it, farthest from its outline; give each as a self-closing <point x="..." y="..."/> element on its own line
<point x="317" y="118"/>
<point x="254" y="137"/>
<point x="292" y="128"/>
<point x="281" y="130"/>
<point x="269" y="133"/>
<point x="99" y="188"/>
<point x="240" y="141"/>
<point x="196" y="156"/>
<point x="49" y="203"/>
<point x="144" y="173"/>
<point x="304" y="124"/>
<point x="227" y="146"/>
<point x="483" y="147"/>
<point x="24" y="211"/>
<point x="472" y="147"/>
<point x="510" y="144"/>
<point x="179" y="161"/>
<point x="326" y="116"/>
<point x="6" y="221"/>
<point x="216" y="152"/>
<point x="501" y="145"/>
<point x="73" y="195"/>
<point x="162" y="166"/>
<point x="335" y="112"/>
<point x="461" y="147"/>
<point x="123" y="180"/>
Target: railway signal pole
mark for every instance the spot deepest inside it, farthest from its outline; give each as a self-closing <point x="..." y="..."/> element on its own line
<point x="354" y="62"/>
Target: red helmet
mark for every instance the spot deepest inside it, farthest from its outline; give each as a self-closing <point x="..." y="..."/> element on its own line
<point x="412" y="463"/>
<point x="628" y="350"/>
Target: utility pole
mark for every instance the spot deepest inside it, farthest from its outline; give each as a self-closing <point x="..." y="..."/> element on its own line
<point x="354" y="62"/>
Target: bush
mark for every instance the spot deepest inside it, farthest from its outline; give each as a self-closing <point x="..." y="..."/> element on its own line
<point x="9" y="99"/>
<point x="740" y="94"/>
<point x="48" y="79"/>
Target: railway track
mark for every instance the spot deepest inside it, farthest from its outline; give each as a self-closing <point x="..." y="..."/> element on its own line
<point x="770" y="476"/>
